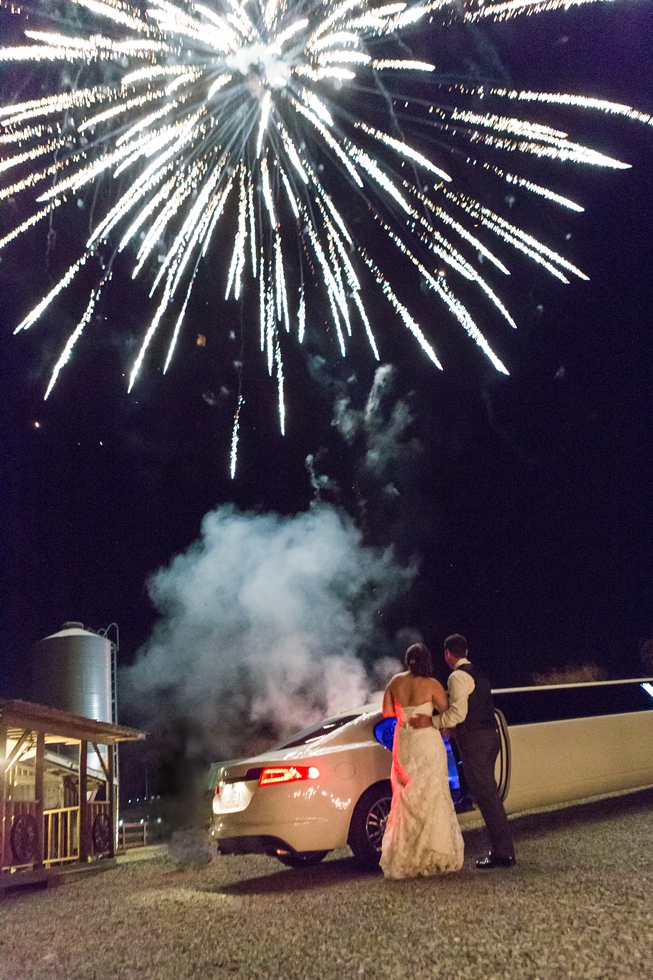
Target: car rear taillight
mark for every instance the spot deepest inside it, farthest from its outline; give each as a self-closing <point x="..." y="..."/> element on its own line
<point x="273" y="775"/>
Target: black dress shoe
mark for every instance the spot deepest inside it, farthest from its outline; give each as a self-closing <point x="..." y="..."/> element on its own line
<point x="494" y="861"/>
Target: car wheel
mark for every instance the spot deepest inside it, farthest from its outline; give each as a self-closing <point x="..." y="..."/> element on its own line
<point x="368" y="823"/>
<point x="304" y="860"/>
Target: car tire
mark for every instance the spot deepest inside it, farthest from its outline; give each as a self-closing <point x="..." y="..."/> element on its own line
<point x="368" y="823"/>
<point x="305" y="860"/>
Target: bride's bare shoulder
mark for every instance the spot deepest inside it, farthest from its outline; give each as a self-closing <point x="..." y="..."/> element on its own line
<point x="398" y="680"/>
<point x="435" y="683"/>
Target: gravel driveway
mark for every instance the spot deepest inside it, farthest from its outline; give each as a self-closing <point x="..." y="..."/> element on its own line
<point x="578" y="904"/>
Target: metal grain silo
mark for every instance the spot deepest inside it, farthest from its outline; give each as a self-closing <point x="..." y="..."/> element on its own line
<point x="73" y="671"/>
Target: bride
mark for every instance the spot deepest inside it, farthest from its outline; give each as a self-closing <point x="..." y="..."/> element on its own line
<point x="422" y="836"/>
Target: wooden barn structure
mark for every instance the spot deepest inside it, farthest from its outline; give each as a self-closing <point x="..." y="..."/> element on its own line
<point x="57" y="787"/>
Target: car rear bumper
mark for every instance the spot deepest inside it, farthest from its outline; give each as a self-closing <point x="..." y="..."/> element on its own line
<point x="255" y="844"/>
<point x="323" y="833"/>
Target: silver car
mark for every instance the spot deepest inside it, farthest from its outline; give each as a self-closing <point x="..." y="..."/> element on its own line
<point x="322" y="789"/>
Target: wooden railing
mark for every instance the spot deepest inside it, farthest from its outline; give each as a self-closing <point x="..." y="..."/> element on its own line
<point x="61" y="835"/>
<point x="60" y="830"/>
<point x="132" y="835"/>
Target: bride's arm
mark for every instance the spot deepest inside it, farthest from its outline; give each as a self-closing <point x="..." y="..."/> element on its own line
<point x="439" y="697"/>
<point x="388" y="707"/>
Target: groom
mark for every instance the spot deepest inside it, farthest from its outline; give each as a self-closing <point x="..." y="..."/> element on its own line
<point x="471" y="713"/>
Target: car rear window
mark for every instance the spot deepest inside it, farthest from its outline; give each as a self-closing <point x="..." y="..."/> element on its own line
<point x="316" y="731"/>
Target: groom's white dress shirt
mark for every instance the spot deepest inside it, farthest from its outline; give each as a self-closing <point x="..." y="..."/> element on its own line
<point x="459" y="686"/>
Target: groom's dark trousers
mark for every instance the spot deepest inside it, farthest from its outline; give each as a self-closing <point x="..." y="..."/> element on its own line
<point x="479" y="749"/>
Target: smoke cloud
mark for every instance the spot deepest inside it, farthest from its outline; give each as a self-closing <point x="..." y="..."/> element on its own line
<point x="383" y="425"/>
<point x="266" y="625"/>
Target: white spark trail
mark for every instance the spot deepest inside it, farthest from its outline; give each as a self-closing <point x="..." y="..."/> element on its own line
<point x="75" y="335"/>
<point x="65" y="280"/>
<point x="578" y="102"/>
<point x="180" y="320"/>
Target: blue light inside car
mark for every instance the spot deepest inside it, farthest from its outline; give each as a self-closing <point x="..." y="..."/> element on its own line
<point x="384" y="733"/>
<point x="648" y="688"/>
<point x="452" y="768"/>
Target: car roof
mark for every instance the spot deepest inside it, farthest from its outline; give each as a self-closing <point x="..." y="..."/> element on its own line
<point x="361" y="709"/>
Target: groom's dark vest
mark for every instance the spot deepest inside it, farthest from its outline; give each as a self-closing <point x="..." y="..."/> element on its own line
<point x="480" y="710"/>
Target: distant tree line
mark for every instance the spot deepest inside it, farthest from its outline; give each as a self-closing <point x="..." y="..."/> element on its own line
<point x="572" y="674"/>
<point x="582" y="673"/>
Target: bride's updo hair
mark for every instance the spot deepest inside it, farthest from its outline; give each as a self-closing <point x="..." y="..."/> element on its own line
<point x="418" y="660"/>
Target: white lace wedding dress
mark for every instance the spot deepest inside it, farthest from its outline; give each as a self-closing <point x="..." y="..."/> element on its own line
<point x="422" y="836"/>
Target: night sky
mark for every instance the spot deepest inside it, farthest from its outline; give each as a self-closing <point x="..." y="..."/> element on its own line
<point x="525" y="500"/>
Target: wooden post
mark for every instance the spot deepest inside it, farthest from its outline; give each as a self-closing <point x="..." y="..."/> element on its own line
<point x="111" y="796"/>
<point x="84" y="829"/>
<point x="39" y="768"/>
<point x="3" y="756"/>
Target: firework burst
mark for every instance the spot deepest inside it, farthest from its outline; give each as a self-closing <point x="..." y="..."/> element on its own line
<point x="247" y="115"/>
